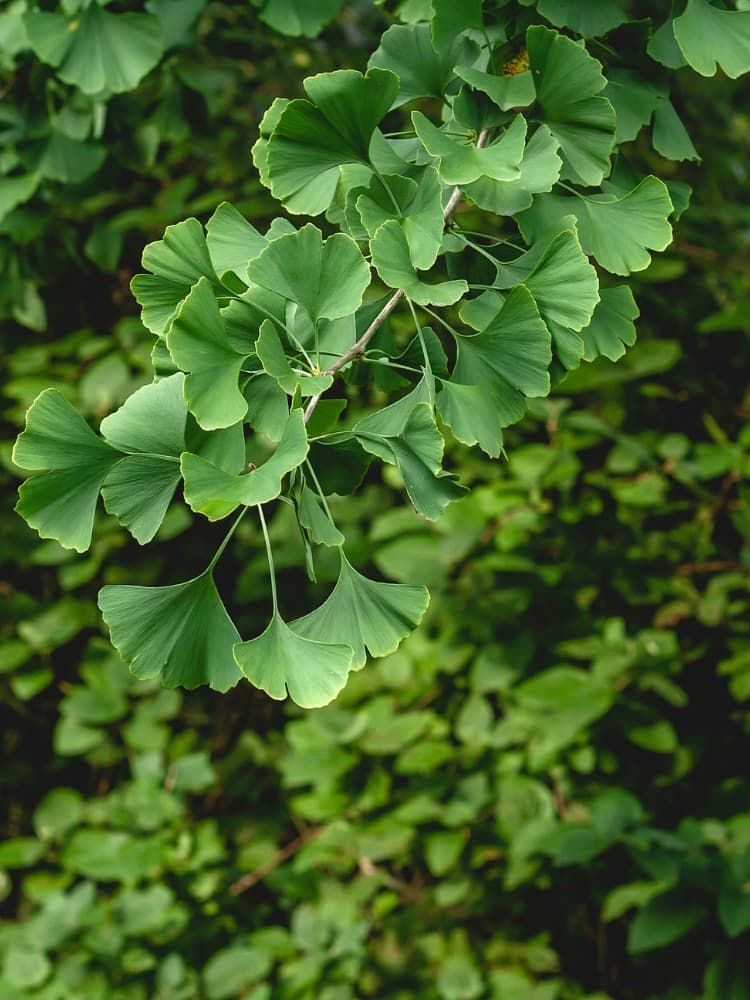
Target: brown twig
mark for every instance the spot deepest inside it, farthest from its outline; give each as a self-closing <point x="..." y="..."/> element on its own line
<point x="283" y="854"/>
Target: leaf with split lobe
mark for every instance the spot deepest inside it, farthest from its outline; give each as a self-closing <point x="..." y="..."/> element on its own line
<point x="464" y="162"/>
<point x="281" y="661"/>
<point x="392" y="259"/>
<point x="512" y="91"/>
<point x="540" y="169"/>
<point x="60" y="502"/>
<point x="232" y="242"/>
<point x="275" y="363"/>
<point x="215" y="493"/>
<point x="369" y="617"/>
<point x="708" y="36"/>
<point x="472" y="415"/>
<point x="199" y="345"/>
<point x="181" y="632"/>
<point x="327" y="278"/>
<point x="612" y="327"/>
<point x="311" y="140"/>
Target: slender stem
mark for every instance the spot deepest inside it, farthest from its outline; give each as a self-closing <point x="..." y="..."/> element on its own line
<point x="390" y="193"/>
<point x="439" y="319"/>
<point x="219" y="552"/>
<point x="269" y="556"/>
<point x="361" y="345"/>
<point x="475" y="246"/>
<point x="418" y="328"/>
<point x="320" y="492"/>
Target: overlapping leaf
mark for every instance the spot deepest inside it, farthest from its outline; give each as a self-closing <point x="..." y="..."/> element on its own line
<point x="540" y="169"/>
<point x="612" y="327"/>
<point x="275" y="363"/>
<point x="232" y="242"/>
<point x="464" y="162"/>
<point x="392" y="259"/>
<point x="589" y="18"/>
<point x="708" y="36"/>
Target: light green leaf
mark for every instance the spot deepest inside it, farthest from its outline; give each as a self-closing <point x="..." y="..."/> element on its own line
<point x="310" y="141"/>
<point x="232" y="242"/>
<point x="369" y="617"/>
<point x="327" y="278"/>
<point x="182" y="632"/>
<point x="540" y="169"/>
<point x="708" y="35"/>
<point x="176" y="261"/>
<point x="408" y="51"/>
<point x="211" y="491"/>
<point x="298" y="17"/>
<point x="15" y="191"/>
<point x="611" y="329"/>
<point x="275" y="363"/>
<point x="515" y="90"/>
<point x="567" y="81"/>
<point x="60" y="502"/>
<point x="198" y="342"/>
<point x="663" y="47"/>
<point x="472" y="414"/>
<point x="95" y="50"/>
<point x="314" y="519"/>
<point x="392" y="260"/>
<point x="391" y="420"/>
<point x="464" y="162"/>
<point x="138" y="492"/>
<point x="282" y="661"/>
<point x="670" y="136"/>
<point x="590" y="18"/>
<point x="420" y="211"/>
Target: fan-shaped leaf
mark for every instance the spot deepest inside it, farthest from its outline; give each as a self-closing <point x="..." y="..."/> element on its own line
<point x="708" y="35"/>
<point x="271" y="354"/>
<point x="298" y="17"/>
<point x="514" y="90"/>
<point x="369" y="617"/>
<point x="611" y="329"/>
<point x="182" y="632"/>
<point x="589" y="18"/>
<point x="392" y="260"/>
<point x="540" y="169"/>
<point x="281" y="661"/>
<point x="464" y="162"/>
<point x="232" y="242"/>
<point x="472" y="414"/>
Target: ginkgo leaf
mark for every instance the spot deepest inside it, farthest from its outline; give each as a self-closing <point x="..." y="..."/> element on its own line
<point x="281" y="661"/>
<point x="15" y="191"/>
<point x="312" y="139"/>
<point x="267" y="406"/>
<point x="298" y="17"/>
<point x="60" y="502"/>
<point x="367" y="616"/>
<point x="508" y="91"/>
<point x="670" y="137"/>
<point x="176" y="261"/>
<point x="464" y="162"/>
<point x="568" y="81"/>
<point x="315" y="520"/>
<point x="634" y="100"/>
<point x="138" y="492"/>
<point x="708" y="35"/>
<point x="327" y="278"/>
<point x="59" y="157"/>
<point x="392" y="260"/>
<point x="211" y="491"/>
<point x="472" y="415"/>
<point x="271" y="355"/>
<point x="540" y="169"/>
<point x="590" y="18"/>
<point x="420" y="211"/>
<point x="612" y="326"/>
<point x="422" y="70"/>
<point x="232" y="242"/>
<point x="182" y="632"/>
<point x="198" y="342"/>
<point x="451" y="19"/>
<point x="95" y="50"/>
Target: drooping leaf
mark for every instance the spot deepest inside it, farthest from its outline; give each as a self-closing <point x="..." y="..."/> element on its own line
<point x="198" y="342"/>
<point x="271" y="355"/>
<point x="472" y="415"/>
<point x="95" y="50"/>
<point x="567" y="81"/>
<point x="181" y="632"/>
<point x="232" y="242"/>
<point x="211" y="491"/>
<point x="540" y="169"/>
<point x="60" y="502"/>
<point x="708" y="35"/>
<point x="327" y="278"/>
<point x="634" y="100"/>
<point x="512" y="90"/>
<point x="369" y="617"/>
<point x="314" y="519"/>
<point x="423" y="71"/>
<point x="281" y="661"/>
<point x="663" y="47"/>
<point x="312" y="139"/>
<point x="612" y="326"/>
<point x="267" y="406"/>
<point x="670" y="137"/>
<point x="15" y="191"/>
<point x="176" y="261"/>
<point x="464" y="162"/>
<point x="298" y="17"/>
<point x="392" y="260"/>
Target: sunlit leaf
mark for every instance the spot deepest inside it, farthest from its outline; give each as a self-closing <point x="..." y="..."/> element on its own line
<point x="232" y="242"/>
<point x="708" y="36"/>
<point x="181" y="632"/>
<point x="281" y="661"/>
<point x="369" y="617"/>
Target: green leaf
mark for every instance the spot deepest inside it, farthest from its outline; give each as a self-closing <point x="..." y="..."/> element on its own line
<point x="327" y="278"/>
<point x="734" y="911"/>
<point x="181" y="632"/>
<point x="670" y="136"/>
<point x="15" y="191"/>
<point x="70" y="161"/>
<point x="663" y="47"/>
<point x="369" y="617"/>
<point x="229" y="972"/>
<point x="612" y="327"/>
<point x="508" y="360"/>
<point x="423" y="71"/>
<point x="311" y="141"/>
<point x="282" y="661"/>
<point x="60" y="502"/>
<point x="449" y="20"/>
<point x="392" y="259"/>
<point x="198" y="342"/>
<point x="211" y="491"/>
<point x="314" y="519"/>
<point x="634" y="100"/>
<point x="464" y="162"/>
<point x="472" y="415"/>
<point x="297" y="17"/>
<point x="420" y="211"/>
<point x="662" y="920"/>
<point x="95" y="50"/>
<point x="567" y="81"/>
<point x="708" y="35"/>
<point x="271" y="355"/>
<point x="540" y="169"/>
<point x="267" y="406"/>
<point x="590" y="18"/>
<point x="176" y="261"/>
<point x="232" y="242"/>
<point x="514" y="90"/>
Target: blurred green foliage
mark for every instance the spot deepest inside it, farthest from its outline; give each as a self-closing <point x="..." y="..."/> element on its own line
<point x="544" y="794"/>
